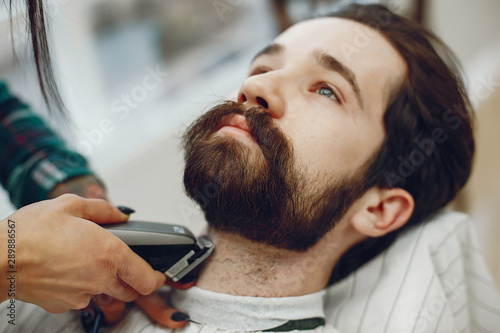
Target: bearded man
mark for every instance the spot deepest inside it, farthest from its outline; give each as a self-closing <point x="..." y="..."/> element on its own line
<point x="330" y="168"/>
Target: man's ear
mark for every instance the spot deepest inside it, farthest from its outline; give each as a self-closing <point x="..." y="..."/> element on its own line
<point x="380" y="211"/>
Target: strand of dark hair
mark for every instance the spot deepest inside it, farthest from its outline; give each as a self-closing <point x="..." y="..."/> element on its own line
<point x="37" y="27"/>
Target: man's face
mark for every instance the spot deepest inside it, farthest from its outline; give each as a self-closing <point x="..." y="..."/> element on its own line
<point x="284" y="164"/>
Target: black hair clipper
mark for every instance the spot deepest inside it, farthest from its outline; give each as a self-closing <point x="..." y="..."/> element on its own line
<point x="168" y="248"/>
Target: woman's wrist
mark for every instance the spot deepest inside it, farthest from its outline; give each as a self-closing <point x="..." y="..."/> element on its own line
<point x="87" y="186"/>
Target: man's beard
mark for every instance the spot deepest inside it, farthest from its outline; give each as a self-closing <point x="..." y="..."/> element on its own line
<point x="259" y="193"/>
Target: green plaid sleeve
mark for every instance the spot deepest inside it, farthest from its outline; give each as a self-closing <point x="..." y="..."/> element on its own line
<point x="33" y="158"/>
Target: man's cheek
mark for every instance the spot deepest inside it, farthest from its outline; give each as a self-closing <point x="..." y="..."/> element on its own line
<point x="333" y="159"/>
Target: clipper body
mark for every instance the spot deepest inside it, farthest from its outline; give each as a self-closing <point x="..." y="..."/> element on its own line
<point x="169" y="248"/>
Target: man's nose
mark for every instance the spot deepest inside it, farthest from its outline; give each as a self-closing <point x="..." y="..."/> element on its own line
<point x="261" y="90"/>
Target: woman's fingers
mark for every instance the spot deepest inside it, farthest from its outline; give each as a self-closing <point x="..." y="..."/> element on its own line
<point x="121" y="291"/>
<point x="111" y="308"/>
<point x="138" y="274"/>
<point x="157" y="309"/>
<point x="96" y="210"/>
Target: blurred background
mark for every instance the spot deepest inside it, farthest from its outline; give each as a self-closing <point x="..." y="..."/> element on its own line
<point x="134" y="73"/>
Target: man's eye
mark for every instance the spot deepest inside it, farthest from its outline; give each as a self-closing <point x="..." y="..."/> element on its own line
<point x="259" y="70"/>
<point x="328" y="92"/>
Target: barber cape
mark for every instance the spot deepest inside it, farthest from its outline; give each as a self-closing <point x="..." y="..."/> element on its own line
<point x="210" y="312"/>
<point x="432" y="279"/>
<point x="215" y="312"/>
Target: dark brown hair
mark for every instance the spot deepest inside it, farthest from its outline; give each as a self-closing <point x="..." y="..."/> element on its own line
<point x="37" y="27"/>
<point x="429" y="141"/>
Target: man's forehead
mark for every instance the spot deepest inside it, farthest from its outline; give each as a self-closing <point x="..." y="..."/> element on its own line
<point x="352" y="39"/>
<point x="317" y="28"/>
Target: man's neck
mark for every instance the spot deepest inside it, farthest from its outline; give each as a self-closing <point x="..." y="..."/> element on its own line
<point x="244" y="268"/>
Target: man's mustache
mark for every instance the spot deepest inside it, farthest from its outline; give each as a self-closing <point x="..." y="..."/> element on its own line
<point x="260" y="122"/>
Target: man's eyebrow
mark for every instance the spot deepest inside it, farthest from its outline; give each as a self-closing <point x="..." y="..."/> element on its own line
<point x="330" y="63"/>
<point x="269" y="50"/>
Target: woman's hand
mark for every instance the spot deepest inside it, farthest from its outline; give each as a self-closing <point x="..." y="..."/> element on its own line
<point x="153" y="305"/>
<point x="89" y="186"/>
<point x="63" y="257"/>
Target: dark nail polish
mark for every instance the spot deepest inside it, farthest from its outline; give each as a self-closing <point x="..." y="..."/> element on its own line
<point x="179" y="316"/>
<point x="125" y="210"/>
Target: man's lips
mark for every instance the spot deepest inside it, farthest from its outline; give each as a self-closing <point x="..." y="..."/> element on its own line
<point x="235" y="125"/>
